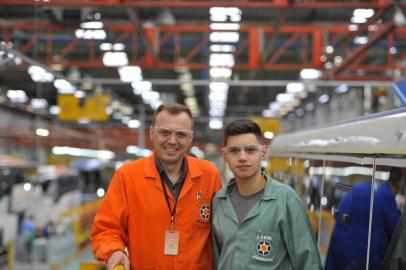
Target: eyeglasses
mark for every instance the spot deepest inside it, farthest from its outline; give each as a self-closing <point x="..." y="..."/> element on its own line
<point x="167" y="132"/>
<point x="250" y="149"/>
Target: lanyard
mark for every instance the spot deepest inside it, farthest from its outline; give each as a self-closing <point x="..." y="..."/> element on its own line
<point x="172" y="212"/>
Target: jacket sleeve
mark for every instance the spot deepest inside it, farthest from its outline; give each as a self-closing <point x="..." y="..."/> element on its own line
<point x="298" y="236"/>
<point x="216" y="243"/>
<point x="109" y="230"/>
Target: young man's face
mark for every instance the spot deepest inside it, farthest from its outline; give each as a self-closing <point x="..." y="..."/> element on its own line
<point x="243" y="154"/>
<point x="171" y="136"/>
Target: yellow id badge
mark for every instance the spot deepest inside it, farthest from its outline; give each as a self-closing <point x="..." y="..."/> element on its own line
<point x="171" y="243"/>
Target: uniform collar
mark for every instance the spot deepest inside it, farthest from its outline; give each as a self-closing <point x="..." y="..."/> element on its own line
<point x="269" y="192"/>
<point x="151" y="170"/>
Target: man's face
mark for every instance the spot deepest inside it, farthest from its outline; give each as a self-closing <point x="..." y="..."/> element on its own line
<point x="171" y="136"/>
<point x="243" y="154"/>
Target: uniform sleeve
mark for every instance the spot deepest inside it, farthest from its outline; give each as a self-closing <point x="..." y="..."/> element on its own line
<point x="299" y="238"/>
<point x="109" y="230"/>
<point x="216" y="243"/>
<point x="392" y="213"/>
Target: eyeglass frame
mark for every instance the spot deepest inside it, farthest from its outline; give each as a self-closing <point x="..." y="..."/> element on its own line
<point x="243" y="148"/>
<point x="172" y="132"/>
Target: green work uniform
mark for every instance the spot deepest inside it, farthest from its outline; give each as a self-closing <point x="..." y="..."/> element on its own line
<point x="275" y="234"/>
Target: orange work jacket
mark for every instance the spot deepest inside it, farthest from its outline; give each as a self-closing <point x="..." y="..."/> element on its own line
<point x="134" y="214"/>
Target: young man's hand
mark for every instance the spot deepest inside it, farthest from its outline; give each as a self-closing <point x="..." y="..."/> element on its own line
<point x="116" y="259"/>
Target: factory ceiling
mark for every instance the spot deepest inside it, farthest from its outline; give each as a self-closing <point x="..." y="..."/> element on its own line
<point x="171" y="43"/>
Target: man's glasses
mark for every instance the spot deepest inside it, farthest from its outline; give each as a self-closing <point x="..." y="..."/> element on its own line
<point x="167" y="132"/>
<point x="250" y="149"/>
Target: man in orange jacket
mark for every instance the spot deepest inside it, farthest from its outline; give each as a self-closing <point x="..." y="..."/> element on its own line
<point x="159" y="207"/>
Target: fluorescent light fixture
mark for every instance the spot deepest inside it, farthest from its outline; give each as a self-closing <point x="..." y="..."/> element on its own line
<point x="150" y="95"/>
<point x="221" y="60"/>
<point x="269" y="134"/>
<point x="363" y="13"/>
<point x="299" y="112"/>
<point x="83" y="121"/>
<point x="342" y="88"/>
<point x="218" y="86"/>
<point x="130" y="73"/>
<point x="118" y="47"/>
<point x="106" y="46"/>
<point x="72" y="151"/>
<point x="215" y="123"/>
<point x="225" y="48"/>
<point x="135" y="150"/>
<point x="225" y="26"/>
<point x="393" y="50"/>
<point x="269" y="113"/>
<point x="64" y="87"/>
<point x="353" y="27"/>
<point x="360" y="40"/>
<point x="224" y="37"/>
<point x="54" y="110"/>
<point x="18" y="96"/>
<point x="80" y="94"/>
<point x="42" y="132"/>
<point x="216" y="112"/>
<point x="285" y="97"/>
<point x="27" y="187"/>
<point x="134" y="123"/>
<point x="155" y="104"/>
<point x="310" y="74"/>
<point x="329" y="49"/>
<point x="223" y="14"/>
<point x="100" y="192"/>
<point x="115" y="59"/>
<point x="92" y="25"/>
<point x="294" y="88"/>
<point x="323" y="99"/>
<point x="98" y="34"/>
<point x="125" y="119"/>
<point x="358" y="20"/>
<point x="39" y="74"/>
<point x="141" y="87"/>
<point x="275" y="106"/>
<point x="310" y="107"/>
<point x="39" y="103"/>
<point x="220" y="72"/>
<point x="218" y="96"/>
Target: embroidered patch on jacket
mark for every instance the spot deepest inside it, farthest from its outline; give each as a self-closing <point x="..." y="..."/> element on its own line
<point x="263" y="248"/>
<point x="205" y="212"/>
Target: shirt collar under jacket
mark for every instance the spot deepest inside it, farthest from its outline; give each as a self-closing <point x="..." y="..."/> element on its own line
<point x="163" y="175"/>
<point x="269" y="192"/>
<point x="151" y="171"/>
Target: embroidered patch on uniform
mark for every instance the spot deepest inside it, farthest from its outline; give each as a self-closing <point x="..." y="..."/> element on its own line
<point x="205" y="211"/>
<point x="264" y="248"/>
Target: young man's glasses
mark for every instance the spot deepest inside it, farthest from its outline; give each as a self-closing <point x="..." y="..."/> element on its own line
<point x="250" y="149"/>
<point x="167" y="132"/>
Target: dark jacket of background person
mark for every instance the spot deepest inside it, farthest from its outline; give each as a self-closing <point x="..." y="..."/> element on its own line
<point x="349" y="242"/>
<point x="395" y="257"/>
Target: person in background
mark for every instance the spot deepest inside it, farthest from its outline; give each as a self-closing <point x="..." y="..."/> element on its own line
<point x="349" y="241"/>
<point x="159" y="207"/>
<point x="258" y="223"/>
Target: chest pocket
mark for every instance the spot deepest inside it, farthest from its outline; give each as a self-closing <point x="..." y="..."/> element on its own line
<point x="202" y="209"/>
<point x="266" y="248"/>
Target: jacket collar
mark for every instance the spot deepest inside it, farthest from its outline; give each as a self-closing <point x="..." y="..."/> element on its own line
<point x="269" y="192"/>
<point x="151" y="171"/>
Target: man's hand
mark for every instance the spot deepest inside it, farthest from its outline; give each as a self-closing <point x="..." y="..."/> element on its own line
<point x="118" y="258"/>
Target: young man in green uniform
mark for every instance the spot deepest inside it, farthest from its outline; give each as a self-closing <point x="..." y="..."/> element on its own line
<point x="258" y="223"/>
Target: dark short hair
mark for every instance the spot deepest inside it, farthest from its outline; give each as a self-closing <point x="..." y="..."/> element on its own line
<point x="395" y="175"/>
<point x="172" y="108"/>
<point x="241" y="126"/>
